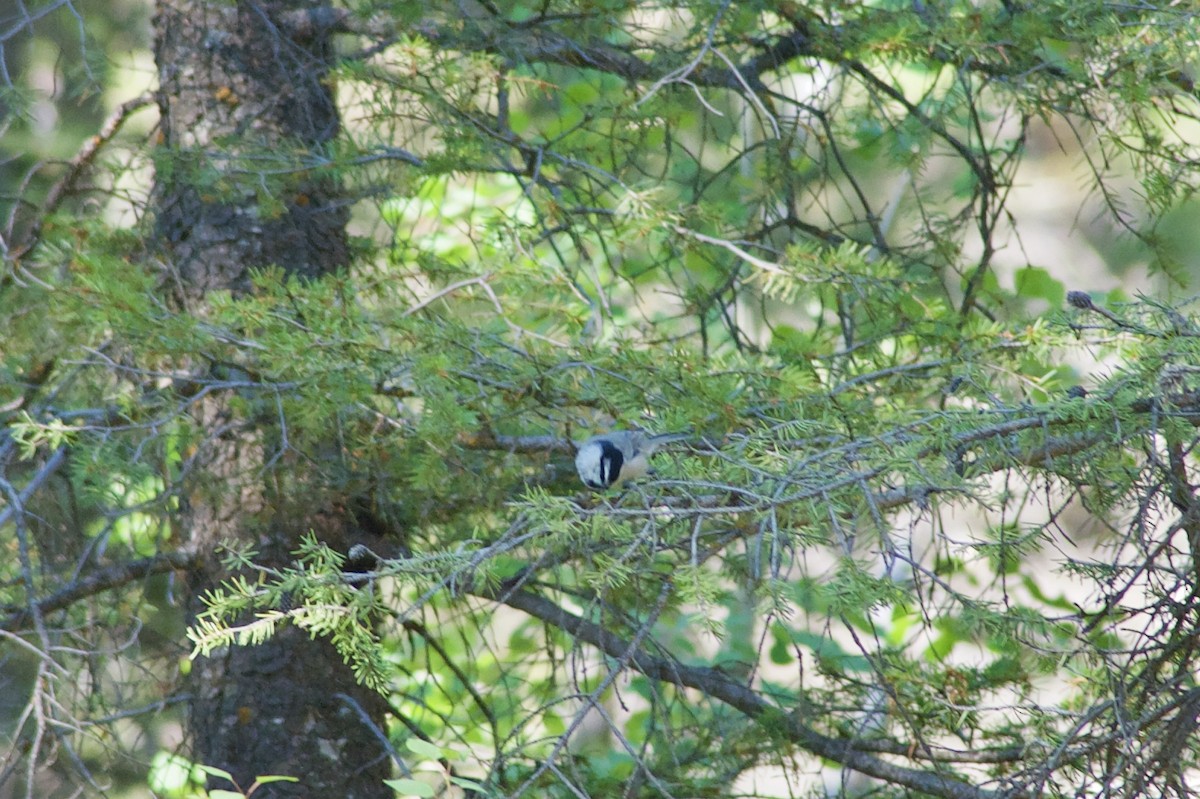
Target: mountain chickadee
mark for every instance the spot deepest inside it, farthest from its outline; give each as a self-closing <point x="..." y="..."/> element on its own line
<point x="609" y="459"/>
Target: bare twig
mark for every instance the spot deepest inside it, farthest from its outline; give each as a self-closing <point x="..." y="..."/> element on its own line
<point x="68" y="183"/>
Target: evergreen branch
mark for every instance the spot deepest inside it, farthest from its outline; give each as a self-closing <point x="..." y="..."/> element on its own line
<point x="1184" y="406"/>
<point x="487" y="440"/>
<point x="535" y="41"/>
<point x="100" y="581"/>
<point x="207" y="634"/>
<point x="719" y="685"/>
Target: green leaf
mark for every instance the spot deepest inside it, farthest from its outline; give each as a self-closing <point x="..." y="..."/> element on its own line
<point x="215" y="772"/>
<point x="1036" y="283"/>
<point x="424" y="748"/>
<point x="470" y="785"/>
<point x="410" y="787"/>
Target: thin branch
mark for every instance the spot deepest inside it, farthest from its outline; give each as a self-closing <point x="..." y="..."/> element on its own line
<point x="52" y="465"/>
<point x="68" y="183"/>
<point x="719" y="685"/>
<point x="753" y="260"/>
<point x="99" y="581"/>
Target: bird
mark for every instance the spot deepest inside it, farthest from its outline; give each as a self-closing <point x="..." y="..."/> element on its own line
<point x="610" y="459"/>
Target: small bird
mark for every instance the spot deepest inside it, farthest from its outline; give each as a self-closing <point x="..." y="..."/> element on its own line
<point x="610" y="459"/>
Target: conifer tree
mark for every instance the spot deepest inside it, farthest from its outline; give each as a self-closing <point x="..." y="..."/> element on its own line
<point x="299" y="345"/>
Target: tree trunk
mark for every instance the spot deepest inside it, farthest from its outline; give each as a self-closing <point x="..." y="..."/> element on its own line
<point x="246" y="111"/>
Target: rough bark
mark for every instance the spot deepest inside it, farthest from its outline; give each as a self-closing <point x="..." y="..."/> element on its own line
<point x="246" y="112"/>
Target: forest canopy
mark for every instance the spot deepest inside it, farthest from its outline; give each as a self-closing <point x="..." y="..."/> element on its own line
<point x="301" y="342"/>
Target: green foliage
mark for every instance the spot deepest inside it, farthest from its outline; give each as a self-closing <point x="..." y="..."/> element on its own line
<point x="317" y="601"/>
<point x="411" y="786"/>
<point x="790" y="230"/>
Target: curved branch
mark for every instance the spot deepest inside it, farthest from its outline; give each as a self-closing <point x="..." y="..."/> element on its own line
<point x="719" y="685"/>
<point x="100" y="581"/>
